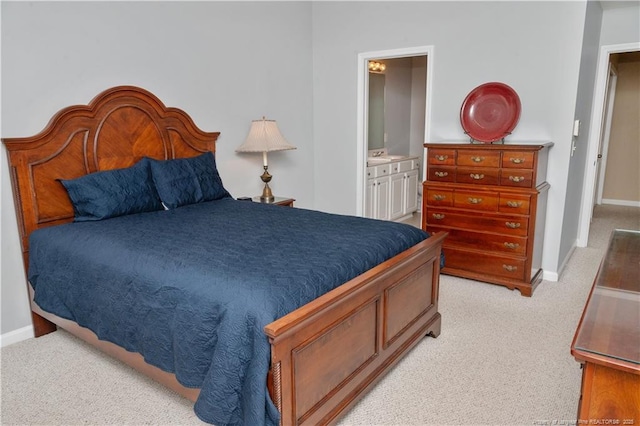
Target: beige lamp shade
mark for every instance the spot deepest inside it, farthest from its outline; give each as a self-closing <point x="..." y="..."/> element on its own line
<point x="264" y="136"/>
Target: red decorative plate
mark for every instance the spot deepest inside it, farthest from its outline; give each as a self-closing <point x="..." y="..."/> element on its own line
<point x="490" y="112"/>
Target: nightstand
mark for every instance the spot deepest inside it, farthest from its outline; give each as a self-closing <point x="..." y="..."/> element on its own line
<point x="279" y="201"/>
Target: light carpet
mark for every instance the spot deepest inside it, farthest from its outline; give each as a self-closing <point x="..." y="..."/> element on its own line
<point x="502" y="359"/>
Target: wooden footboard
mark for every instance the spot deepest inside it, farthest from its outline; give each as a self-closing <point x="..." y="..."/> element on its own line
<point x="328" y="353"/>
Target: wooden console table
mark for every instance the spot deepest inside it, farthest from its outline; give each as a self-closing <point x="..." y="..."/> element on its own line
<point x="607" y="341"/>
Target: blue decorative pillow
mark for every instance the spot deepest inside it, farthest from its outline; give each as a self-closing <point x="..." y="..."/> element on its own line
<point x="187" y="180"/>
<point x="112" y="193"/>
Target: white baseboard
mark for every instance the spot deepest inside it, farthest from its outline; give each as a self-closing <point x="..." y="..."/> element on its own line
<point x="628" y="203"/>
<point x="16" y="336"/>
<point x="550" y="276"/>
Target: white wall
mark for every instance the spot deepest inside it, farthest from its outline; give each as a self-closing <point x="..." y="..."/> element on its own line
<point x="532" y="46"/>
<point x="223" y="63"/>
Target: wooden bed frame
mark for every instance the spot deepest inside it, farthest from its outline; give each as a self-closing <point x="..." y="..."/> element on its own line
<point x="325" y="355"/>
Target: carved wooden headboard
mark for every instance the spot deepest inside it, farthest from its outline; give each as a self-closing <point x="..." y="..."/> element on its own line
<point x="116" y="129"/>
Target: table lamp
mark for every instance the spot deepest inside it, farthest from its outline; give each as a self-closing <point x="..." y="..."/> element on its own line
<point x="264" y="136"/>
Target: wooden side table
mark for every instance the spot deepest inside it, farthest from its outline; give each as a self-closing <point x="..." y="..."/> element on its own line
<point x="279" y="201"/>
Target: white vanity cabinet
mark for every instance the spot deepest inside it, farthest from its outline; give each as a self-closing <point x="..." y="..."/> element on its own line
<point x="410" y="192"/>
<point x="392" y="189"/>
<point x="396" y="196"/>
<point x="378" y="192"/>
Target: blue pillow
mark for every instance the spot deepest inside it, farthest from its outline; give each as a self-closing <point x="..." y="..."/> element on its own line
<point x="112" y="193"/>
<point x="185" y="181"/>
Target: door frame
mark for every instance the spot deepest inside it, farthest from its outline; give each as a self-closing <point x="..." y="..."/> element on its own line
<point x="363" y="110"/>
<point x="595" y="132"/>
<point x="610" y="96"/>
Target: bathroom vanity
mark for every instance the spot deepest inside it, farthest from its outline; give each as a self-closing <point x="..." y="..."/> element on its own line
<point x="392" y="187"/>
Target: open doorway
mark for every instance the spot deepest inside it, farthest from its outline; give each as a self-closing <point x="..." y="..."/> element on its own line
<point x="602" y="150"/>
<point x="403" y="114"/>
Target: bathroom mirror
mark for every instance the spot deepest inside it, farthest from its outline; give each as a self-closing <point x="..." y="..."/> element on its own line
<point x="375" y="135"/>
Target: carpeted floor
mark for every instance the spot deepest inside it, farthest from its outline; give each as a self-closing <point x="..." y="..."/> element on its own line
<point x="501" y="359"/>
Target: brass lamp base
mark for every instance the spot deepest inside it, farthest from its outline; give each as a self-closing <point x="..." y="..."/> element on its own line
<point x="267" y="195"/>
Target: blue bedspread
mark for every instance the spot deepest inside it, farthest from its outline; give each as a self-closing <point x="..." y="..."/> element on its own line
<point x="191" y="289"/>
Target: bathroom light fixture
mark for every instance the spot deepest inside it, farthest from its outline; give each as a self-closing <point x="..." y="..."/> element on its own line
<point x="264" y="136"/>
<point x="375" y="66"/>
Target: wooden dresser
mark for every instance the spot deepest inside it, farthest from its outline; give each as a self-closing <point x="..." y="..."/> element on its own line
<point x="491" y="199"/>
<point x="607" y="340"/>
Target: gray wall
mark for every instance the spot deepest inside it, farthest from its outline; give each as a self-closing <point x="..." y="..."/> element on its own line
<point x="584" y="102"/>
<point x="418" y="107"/>
<point x="621" y="25"/>
<point x="228" y="63"/>
<point x="532" y="46"/>
<point x="223" y="63"/>
<point x="397" y="114"/>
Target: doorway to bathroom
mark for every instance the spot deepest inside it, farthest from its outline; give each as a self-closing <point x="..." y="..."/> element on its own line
<point x="394" y="99"/>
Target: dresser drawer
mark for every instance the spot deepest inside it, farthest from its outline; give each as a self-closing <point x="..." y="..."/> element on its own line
<point x="484" y="263"/>
<point x="436" y="197"/>
<point x="486" y="242"/>
<point x="484" y="201"/>
<point x="516" y="177"/>
<point x="442" y="174"/>
<point x="514" y="203"/>
<point x="504" y="225"/>
<point x="517" y="160"/>
<point x="442" y="157"/>
<point x="478" y="158"/>
<point x="477" y="176"/>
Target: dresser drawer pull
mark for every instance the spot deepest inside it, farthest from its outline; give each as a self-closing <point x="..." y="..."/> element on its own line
<point x="474" y="200"/>
<point x="512" y="225"/>
<point x="477" y="159"/>
<point x="441" y="157"/>
<point x="439" y="197"/>
<point x="512" y="246"/>
<point x="517" y="160"/>
<point x="476" y="176"/>
<point x="516" y="178"/>
<point x="438" y="216"/>
<point x="514" y="204"/>
<point x="510" y="268"/>
<point x="442" y="174"/>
